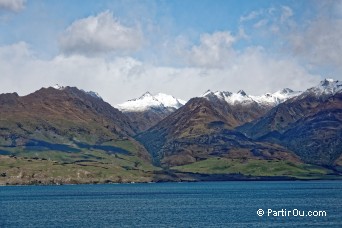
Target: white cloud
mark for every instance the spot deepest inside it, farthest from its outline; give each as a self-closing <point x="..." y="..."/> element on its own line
<point x="286" y="13"/>
<point x="122" y="78"/>
<point x="98" y="35"/>
<point x="313" y="40"/>
<point x="214" y="50"/>
<point x="251" y="16"/>
<point x="12" y="5"/>
<point x="317" y="41"/>
<point x="320" y="43"/>
<point x="260" y="23"/>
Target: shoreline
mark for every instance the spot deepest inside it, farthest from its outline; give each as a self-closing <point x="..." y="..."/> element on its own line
<point x="199" y="178"/>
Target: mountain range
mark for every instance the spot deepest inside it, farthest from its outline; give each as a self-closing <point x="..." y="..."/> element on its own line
<point x="67" y="135"/>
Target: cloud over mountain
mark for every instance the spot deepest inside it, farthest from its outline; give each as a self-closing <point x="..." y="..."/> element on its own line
<point x="123" y="50"/>
<point x="121" y="78"/>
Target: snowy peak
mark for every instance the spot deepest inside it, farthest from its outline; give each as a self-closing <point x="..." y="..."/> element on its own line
<point x="242" y="98"/>
<point x="146" y="95"/>
<point x="285" y="91"/>
<point x="281" y="96"/>
<point x="231" y="98"/>
<point x="207" y="93"/>
<point x="147" y="101"/>
<point x="326" y="87"/>
<point x="327" y="81"/>
<point x="162" y="101"/>
<point x="169" y="101"/>
<point x="242" y="93"/>
<point x="59" y="87"/>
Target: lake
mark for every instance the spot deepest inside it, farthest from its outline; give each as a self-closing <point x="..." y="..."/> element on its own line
<point x="202" y="204"/>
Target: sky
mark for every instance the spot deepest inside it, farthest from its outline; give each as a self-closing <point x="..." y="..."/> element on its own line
<point x="124" y="48"/>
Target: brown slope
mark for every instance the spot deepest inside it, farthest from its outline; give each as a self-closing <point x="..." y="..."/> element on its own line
<point x="68" y="117"/>
<point x="310" y="125"/>
<point x="201" y="129"/>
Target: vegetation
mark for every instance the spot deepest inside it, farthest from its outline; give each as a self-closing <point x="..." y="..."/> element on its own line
<point x="56" y="167"/>
<point x="254" y="168"/>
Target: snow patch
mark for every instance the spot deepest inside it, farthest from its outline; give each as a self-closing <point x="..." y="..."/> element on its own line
<point x="268" y="99"/>
<point x="59" y="87"/>
<point x="169" y="101"/>
<point x="326" y="87"/>
<point x="147" y="101"/>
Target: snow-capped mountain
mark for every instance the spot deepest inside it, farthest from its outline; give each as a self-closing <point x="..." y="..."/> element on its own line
<point x="147" y="110"/>
<point x="147" y="101"/>
<point x="309" y="124"/>
<point x="273" y="99"/>
<point x="268" y="99"/>
<point x="326" y="87"/>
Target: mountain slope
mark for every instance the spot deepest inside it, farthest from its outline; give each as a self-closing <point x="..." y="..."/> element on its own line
<point x="66" y="135"/>
<point x="309" y="124"/>
<point x="245" y="108"/>
<point x="200" y="130"/>
<point x="71" y="127"/>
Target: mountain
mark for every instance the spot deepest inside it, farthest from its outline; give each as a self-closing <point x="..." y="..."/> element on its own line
<point x="326" y="87"/>
<point x="243" y="108"/>
<point x="147" y="110"/>
<point x="199" y="141"/>
<point x="309" y="124"/>
<point x="241" y="98"/>
<point x="147" y="102"/>
<point x="74" y="128"/>
<point x="197" y="138"/>
<point x="91" y="93"/>
<point x="210" y="134"/>
<point x="63" y="134"/>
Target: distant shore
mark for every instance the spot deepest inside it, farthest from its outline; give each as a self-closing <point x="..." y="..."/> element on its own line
<point x="161" y="177"/>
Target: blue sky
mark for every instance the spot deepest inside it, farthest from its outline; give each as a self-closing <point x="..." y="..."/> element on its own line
<point x="122" y="49"/>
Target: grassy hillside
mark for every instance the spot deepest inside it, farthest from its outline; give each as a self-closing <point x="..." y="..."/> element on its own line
<point x="56" y="167"/>
<point x="254" y="168"/>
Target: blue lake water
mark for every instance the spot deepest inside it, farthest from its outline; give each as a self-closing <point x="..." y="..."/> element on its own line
<point x="203" y="204"/>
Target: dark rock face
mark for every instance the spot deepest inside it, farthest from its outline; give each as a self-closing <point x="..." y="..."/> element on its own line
<point x="310" y="126"/>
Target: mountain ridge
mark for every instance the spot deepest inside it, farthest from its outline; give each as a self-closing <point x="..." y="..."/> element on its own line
<point x="241" y="97"/>
<point x="67" y="135"/>
<point x="310" y="124"/>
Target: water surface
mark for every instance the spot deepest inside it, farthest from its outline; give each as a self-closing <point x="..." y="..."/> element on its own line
<point x="203" y="204"/>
